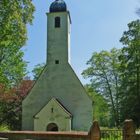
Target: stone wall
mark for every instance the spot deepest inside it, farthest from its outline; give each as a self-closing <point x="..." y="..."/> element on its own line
<point x="44" y="135"/>
<point x="93" y="134"/>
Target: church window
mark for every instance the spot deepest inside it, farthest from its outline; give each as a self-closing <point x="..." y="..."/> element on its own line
<point x="52" y="109"/>
<point x="56" y="61"/>
<point x="57" y="22"/>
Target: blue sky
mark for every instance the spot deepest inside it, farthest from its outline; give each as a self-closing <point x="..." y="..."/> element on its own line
<point x="96" y="25"/>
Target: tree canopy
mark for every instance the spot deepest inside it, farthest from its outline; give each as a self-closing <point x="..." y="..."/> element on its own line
<point x="115" y="75"/>
<point x="37" y="70"/>
<point x="100" y="106"/>
<point x="130" y="72"/>
<point x="103" y="73"/>
<point x="14" y="17"/>
<point x="11" y="104"/>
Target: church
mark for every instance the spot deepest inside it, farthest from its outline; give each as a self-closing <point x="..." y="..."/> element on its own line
<point x="57" y="100"/>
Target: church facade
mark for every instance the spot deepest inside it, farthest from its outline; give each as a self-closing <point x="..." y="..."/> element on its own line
<point x="58" y="100"/>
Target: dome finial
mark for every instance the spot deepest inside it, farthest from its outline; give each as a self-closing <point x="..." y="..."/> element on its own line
<point x="58" y="6"/>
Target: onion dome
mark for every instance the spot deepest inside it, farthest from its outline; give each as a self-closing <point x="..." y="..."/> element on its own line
<point x="58" y="6"/>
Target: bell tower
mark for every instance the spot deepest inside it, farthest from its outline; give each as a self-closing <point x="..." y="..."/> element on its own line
<point x="58" y="33"/>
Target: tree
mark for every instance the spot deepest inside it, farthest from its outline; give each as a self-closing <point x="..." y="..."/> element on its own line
<point x="103" y="72"/>
<point x="14" y="17"/>
<point x="100" y="106"/>
<point x="130" y="69"/>
<point x="37" y="70"/>
<point x="11" y="104"/>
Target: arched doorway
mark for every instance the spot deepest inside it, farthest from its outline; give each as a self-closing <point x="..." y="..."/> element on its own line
<point x="52" y="127"/>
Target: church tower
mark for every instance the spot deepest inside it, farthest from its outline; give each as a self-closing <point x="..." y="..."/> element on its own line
<point x="58" y="28"/>
<point x="58" y="100"/>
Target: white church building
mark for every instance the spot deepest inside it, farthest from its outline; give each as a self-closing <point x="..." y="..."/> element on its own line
<point x="57" y="101"/>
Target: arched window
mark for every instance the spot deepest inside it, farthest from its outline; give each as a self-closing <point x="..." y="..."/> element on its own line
<point x="57" y="22"/>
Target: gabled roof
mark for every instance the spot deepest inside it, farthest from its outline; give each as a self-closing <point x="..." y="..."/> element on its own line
<point x="59" y="104"/>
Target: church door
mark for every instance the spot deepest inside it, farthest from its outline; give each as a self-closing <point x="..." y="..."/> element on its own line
<point x="52" y="127"/>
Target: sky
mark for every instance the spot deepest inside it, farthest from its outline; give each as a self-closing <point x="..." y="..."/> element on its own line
<point x="96" y="25"/>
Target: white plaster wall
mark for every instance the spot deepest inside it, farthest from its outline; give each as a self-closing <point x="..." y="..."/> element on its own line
<point x="59" y="117"/>
<point x="58" y="40"/>
<point x="58" y="81"/>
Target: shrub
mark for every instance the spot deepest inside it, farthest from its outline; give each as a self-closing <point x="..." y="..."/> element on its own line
<point x="4" y="127"/>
